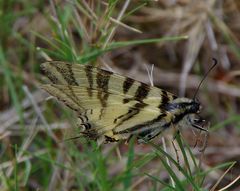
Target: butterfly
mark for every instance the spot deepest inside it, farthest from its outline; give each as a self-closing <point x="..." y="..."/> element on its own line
<point x="111" y="107"/>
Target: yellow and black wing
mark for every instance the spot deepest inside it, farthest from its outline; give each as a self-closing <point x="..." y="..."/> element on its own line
<point x="108" y="105"/>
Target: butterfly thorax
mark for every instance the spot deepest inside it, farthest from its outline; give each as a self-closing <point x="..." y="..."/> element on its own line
<point x="182" y="107"/>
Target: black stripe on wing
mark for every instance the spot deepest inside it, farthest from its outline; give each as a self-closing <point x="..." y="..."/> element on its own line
<point x="127" y="84"/>
<point x="137" y="128"/>
<point x="65" y="74"/>
<point x="102" y="80"/>
<point x="140" y="94"/>
<point x="66" y="71"/>
<point x="89" y="74"/>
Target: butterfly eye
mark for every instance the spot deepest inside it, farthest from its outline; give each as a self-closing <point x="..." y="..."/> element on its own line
<point x="199" y="120"/>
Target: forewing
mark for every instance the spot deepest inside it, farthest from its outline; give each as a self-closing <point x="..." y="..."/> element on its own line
<point x="63" y="73"/>
<point x="108" y="105"/>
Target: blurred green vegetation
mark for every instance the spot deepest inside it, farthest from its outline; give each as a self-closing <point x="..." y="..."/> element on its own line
<point x="179" y="38"/>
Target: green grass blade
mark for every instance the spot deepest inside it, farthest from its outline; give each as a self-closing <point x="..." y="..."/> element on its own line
<point x="16" y="188"/>
<point x="220" y="166"/>
<point x="94" y="53"/>
<point x="180" y="143"/>
<point x="143" y="160"/>
<point x="160" y="181"/>
<point x="161" y="152"/>
<point x="52" y="44"/>
<point x="27" y="172"/>
<point x="128" y="174"/>
<point x="120" y="44"/>
<point x="231" y="120"/>
<point x="10" y="85"/>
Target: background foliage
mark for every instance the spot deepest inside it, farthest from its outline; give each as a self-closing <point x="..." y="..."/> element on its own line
<point x="179" y="38"/>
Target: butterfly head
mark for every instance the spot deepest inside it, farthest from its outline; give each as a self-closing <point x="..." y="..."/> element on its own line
<point x="184" y="106"/>
<point x="192" y="117"/>
<point x="194" y="106"/>
<point x="186" y="110"/>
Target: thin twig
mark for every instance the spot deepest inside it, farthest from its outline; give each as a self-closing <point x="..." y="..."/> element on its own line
<point x="221" y="177"/>
<point x="124" y="25"/>
<point x="230" y="184"/>
<point x="39" y="112"/>
<point x="124" y="8"/>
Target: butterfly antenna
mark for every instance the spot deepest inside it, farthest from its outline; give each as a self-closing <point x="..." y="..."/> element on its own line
<point x="215" y="62"/>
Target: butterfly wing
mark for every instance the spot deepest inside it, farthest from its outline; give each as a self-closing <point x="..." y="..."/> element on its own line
<point x="108" y="105"/>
